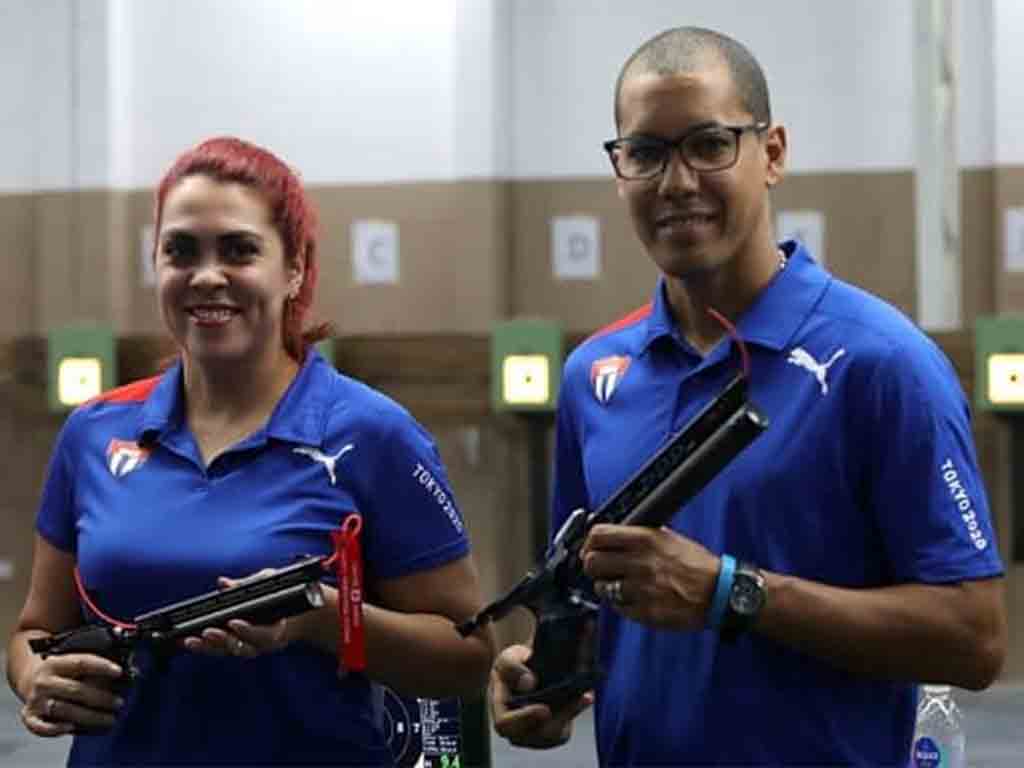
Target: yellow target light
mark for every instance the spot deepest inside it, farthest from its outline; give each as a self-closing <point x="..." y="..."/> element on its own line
<point x="1006" y="379"/>
<point x="526" y="380"/>
<point x="78" y="379"/>
<point x="81" y="364"/>
<point x="526" y="365"/>
<point x="999" y="363"/>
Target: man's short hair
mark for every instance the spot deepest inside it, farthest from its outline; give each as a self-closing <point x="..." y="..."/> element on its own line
<point x="691" y="49"/>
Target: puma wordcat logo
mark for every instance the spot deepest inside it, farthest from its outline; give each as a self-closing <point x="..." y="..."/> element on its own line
<point x="322" y="458"/>
<point x="803" y="359"/>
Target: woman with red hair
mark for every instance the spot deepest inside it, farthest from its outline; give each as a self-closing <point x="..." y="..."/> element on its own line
<point x="244" y="455"/>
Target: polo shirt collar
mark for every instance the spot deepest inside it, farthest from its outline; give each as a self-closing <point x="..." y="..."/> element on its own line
<point x="784" y="305"/>
<point x="775" y="316"/>
<point x="300" y="416"/>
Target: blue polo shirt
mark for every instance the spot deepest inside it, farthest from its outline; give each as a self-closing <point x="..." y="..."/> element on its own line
<point x="128" y="494"/>
<point x="866" y="477"/>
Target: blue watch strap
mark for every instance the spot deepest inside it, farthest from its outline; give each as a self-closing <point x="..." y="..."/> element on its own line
<point x="720" y="599"/>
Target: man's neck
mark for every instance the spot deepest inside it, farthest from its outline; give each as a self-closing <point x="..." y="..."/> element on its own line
<point x="729" y="290"/>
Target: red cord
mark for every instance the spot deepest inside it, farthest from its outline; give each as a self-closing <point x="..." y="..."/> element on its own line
<point x="92" y="606"/>
<point x="731" y="330"/>
<point x="353" y="525"/>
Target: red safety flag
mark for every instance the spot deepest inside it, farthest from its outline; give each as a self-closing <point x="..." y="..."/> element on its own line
<point x="348" y="560"/>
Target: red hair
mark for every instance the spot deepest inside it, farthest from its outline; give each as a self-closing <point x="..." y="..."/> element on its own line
<point x="226" y="159"/>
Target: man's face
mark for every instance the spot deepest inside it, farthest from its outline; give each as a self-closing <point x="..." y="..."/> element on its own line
<point x="693" y="222"/>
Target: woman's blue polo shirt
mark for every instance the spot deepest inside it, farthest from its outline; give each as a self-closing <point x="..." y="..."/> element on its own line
<point x="127" y="492"/>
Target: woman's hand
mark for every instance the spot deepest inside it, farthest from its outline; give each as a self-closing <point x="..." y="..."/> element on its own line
<point x="240" y="638"/>
<point x="71" y="693"/>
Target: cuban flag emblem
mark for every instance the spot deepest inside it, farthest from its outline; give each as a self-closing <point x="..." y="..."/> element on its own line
<point x="124" y="456"/>
<point x="605" y="375"/>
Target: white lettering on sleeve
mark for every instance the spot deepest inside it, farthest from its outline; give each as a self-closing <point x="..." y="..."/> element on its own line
<point x="963" y="503"/>
<point x="433" y="488"/>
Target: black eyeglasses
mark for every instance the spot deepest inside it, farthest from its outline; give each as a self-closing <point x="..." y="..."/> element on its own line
<point x="705" y="149"/>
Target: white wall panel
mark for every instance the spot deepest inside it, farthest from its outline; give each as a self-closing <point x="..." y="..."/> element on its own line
<point x="482" y="89"/>
<point x="397" y="90"/>
<point x="55" y="116"/>
<point x="839" y="72"/>
<point x="20" y="34"/>
<point x="975" y="128"/>
<point x="347" y="91"/>
<point x="1008" y="65"/>
<point x="90" y="139"/>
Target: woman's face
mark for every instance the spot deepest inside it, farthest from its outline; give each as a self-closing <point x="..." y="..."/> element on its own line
<point x="222" y="280"/>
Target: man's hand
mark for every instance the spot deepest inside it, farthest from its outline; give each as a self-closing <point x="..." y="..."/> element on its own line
<point x="654" y="576"/>
<point x="535" y="725"/>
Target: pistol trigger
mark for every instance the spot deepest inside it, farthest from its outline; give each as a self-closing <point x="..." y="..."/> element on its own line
<point x="581" y="600"/>
<point x="131" y="669"/>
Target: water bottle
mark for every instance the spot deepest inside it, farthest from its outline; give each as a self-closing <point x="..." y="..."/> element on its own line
<point x="939" y="740"/>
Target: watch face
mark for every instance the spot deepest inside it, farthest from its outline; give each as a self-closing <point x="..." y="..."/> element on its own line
<point x="747" y="596"/>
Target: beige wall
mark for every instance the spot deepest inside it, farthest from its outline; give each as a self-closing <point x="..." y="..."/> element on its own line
<point x="869" y="227"/>
<point x="1009" y="193"/>
<point x="27" y="432"/>
<point x="979" y="243"/>
<point x="77" y="257"/>
<point x="453" y="244"/>
<point x="1008" y="292"/>
<point x="869" y="240"/>
<point x="627" y="275"/>
<point x="17" y="259"/>
<point x="474" y="252"/>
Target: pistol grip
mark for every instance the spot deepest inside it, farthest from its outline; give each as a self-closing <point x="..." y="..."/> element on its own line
<point x="562" y="674"/>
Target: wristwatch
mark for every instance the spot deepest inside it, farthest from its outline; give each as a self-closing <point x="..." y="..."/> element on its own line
<point x="746" y="599"/>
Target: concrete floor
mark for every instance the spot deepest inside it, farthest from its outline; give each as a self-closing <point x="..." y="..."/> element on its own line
<point x="994" y="723"/>
<point x="993" y="719"/>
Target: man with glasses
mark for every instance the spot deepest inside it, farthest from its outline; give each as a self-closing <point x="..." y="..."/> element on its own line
<point x="785" y="614"/>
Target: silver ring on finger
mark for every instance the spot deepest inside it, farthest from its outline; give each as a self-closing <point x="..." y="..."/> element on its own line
<point x="239" y="646"/>
<point x="51" y="705"/>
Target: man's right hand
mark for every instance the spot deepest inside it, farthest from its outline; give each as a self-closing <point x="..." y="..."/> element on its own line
<point x="535" y="725"/>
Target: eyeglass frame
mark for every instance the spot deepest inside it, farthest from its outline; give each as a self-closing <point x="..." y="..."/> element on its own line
<point x="612" y="145"/>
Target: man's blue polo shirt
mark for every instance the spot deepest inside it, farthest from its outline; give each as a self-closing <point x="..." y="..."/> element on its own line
<point x="127" y="492"/>
<point x="866" y="477"/>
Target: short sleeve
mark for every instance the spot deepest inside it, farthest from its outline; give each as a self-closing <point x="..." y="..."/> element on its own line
<point x="569" y="492"/>
<point x="414" y="521"/>
<point x="55" y="519"/>
<point x="925" y="485"/>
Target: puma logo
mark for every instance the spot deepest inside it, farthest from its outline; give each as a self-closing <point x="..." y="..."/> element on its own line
<point x="320" y="457"/>
<point x="802" y="358"/>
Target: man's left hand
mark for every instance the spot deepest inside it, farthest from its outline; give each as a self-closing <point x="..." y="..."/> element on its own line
<point x="653" y="576"/>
